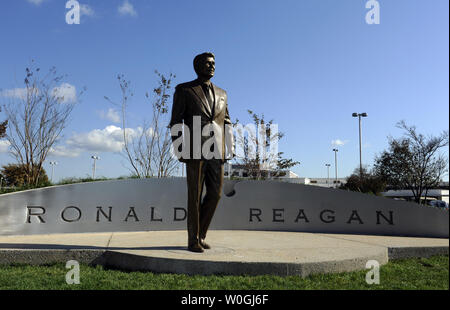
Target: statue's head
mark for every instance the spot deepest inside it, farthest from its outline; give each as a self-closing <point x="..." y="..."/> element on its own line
<point x="204" y="65"/>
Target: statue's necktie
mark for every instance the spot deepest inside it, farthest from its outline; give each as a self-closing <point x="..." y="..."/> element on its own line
<point x="209" y="95"/>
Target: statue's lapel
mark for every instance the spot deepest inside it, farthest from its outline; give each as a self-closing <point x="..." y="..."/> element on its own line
<point x="199" y="92"/>
<point x="216" y="94"/>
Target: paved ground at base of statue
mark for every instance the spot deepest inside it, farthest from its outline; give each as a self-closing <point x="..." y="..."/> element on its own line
<point x="232" y="253"/>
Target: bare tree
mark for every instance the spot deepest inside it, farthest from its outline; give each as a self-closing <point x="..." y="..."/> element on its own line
<point x="148" y="148"/>
<point x="164" y="160"/>
<point x="137" y="168"/>
<point x="413" y="162"/>
<point x="36" y="118"/>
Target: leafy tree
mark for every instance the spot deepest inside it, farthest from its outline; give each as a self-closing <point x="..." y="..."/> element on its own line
<point x="413" y="161"/>
<point x="3" y="126"/>
<point x="365" y="181"/>
<point x="285" y="163"/>
<point x="256" y="148"/>
<point x="16" y="175"/>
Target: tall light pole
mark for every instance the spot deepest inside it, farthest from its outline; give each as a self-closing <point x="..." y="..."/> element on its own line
<point x="328" y="173"/>
<point x="359" y="115"/>
<point x="335" y="165"/>
<point x="95" y="158"/>
<point x="53" y="164"/>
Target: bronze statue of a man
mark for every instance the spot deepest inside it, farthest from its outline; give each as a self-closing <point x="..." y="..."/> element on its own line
<point x="202" y="108"/>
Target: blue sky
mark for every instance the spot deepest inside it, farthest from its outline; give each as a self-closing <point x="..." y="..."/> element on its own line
<point x="307" y="64"/>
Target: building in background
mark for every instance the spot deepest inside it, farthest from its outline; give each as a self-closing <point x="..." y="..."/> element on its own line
<point x="322" y="182"/>
<point x="406" y="194"/>
<point x="242" y="171"/>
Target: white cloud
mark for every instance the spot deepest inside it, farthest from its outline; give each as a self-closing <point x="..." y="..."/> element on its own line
<point x="36" y="2"/>
<point x="339" y="142"/>
<point x="4" y="146"/>
<point x="127" y="9"/>
<point x="86" y="10"/>
<point x="20" y="93"/>
<point x="111" y="115"/>
<point x="99" y="140"/>
<point x="65" y="93"/>
<point x="62" y="151"/>
<point x="109" y="139"/>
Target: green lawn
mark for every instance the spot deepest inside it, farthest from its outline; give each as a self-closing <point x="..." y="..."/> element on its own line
<point x="431" y="273"/>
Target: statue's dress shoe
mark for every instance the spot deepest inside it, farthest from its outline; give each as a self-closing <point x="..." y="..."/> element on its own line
<point x="195" y="248"/>
<point x="204" y="244"/>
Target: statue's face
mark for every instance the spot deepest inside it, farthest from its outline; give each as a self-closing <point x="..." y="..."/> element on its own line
<point x="207" y="67"/>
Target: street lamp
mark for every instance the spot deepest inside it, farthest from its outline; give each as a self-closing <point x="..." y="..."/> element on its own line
<point x="359" y="115"/>
<point x="95" y="158"/>
<point x="328" y="173"/>
<point x="53" y="164"/>
<point x="335" y="164"/>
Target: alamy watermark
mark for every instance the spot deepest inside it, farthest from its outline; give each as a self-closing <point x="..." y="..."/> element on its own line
<point x="373" y="15"/>
<point x="73" y="275"/>
<point x="73" y="15"/>
<point x="210" y="141"/>
<point x="373" y="275"/>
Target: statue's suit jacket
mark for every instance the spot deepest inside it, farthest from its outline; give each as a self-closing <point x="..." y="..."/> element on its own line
<point x="189" y="101"/>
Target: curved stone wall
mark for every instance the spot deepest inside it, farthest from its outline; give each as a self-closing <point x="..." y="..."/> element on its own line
<point x="160" y="204"/>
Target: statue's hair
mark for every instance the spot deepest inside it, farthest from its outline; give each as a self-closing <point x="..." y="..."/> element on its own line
<point x="201" y="57"/>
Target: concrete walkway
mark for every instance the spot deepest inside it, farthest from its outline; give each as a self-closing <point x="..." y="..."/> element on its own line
<point x="233" y="252"/>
